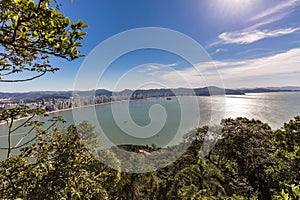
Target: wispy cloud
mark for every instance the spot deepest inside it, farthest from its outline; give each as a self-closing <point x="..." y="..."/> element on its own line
<point x="233" y="72"/>
<point x="154" y="67"/>
<point x="283" y="7"/>
<point x="247" y="37"/>
<point x="267" y="21"/>
<point x="219" y="50"/>
<point x="278" y="69"/>
<point x="255" y="32"/>
<point x="282" y="63"/>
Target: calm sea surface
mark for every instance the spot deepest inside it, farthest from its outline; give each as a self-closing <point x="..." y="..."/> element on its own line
<point x="164" y="122"/>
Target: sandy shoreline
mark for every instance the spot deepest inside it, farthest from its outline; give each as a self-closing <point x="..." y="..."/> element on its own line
<point x="70" y="109"/>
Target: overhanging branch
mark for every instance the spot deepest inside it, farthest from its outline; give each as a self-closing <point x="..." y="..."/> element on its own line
<point x="24" y="80"/>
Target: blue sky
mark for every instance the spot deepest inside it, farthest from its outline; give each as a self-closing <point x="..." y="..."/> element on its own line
<point x="253" y="43"/>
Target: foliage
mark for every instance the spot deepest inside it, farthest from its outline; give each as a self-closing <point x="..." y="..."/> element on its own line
<point x="31" y="32"/>
<point x="246" y="152"/>
<point x="287" y="141"/>
<point x="30" y="123"/>
<point x="198" y="181"/>
<point x="136" y="186"/>
<point x="293" y="192"/>
<point x="56" y="166"/>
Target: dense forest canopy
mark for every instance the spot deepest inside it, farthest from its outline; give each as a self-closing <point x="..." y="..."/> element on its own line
<point x="249" y="161"/>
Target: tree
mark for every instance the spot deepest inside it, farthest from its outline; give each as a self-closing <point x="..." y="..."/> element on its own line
<point x="56" y="166"/>
<point x="136" y="186"/>
<point x="31" y="32"/>
<point x="248" y="154"/>
<point x="12" y="114"/>
<point x="198" y="181"/>
<point x="243" y="152"/>
<point x="30" y="123"/>
<point x="287" y="155"/>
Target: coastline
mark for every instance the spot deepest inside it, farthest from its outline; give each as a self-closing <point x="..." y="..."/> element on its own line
<point x="91" y="105"/>
<point x="120" y="101"/>
<point x="70" y="109"/>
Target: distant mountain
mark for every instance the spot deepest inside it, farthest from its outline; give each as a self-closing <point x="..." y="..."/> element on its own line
<point x="103" y="92"/>
<point x="256" y="90"/>
<point x="92" y="92"/>
<point x="36" y="95"/>
<point x="270" y="89"/>
<point x="206" y="91"/>
<point x="213" y="90"/>
<point x="125" y="92"/>
<point x="285" y="88"/>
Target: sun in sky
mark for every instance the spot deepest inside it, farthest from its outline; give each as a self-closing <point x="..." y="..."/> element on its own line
<point x="232" y="10"/>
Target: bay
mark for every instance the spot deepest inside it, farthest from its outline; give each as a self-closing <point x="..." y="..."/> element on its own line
<point x="164" y="122"/>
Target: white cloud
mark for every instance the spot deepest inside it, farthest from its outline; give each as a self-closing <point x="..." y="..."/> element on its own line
<point x="266" y="21"/>
<point x="282" y="7"/>
<point x="279" y="64"/>
<point x="278" y="69"/>
<point x="247" y="37"/>
<point x="154" y="66"/>
<point x="254" y="32"/>
<point x="236" y="72"/>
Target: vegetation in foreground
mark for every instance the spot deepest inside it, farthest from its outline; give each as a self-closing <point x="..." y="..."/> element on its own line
<point x="249" y="161"/>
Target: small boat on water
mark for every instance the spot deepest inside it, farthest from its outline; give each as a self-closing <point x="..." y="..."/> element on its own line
<point x="169" y="98"/>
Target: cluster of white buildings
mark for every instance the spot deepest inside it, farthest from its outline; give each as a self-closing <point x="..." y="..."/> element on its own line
<point x="54" y="104"/>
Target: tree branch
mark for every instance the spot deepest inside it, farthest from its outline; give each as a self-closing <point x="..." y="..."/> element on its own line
<point x="24" y="80"/>
<point x="16" y="146"/>
<point x="23" y="123"/>
<point x="9" y="137"/>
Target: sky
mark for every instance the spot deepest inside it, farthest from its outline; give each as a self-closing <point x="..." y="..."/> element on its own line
<point x="244" y="43"/>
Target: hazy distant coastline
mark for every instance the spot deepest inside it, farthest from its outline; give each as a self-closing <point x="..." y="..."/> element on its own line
<point x="205" y="91"/>
<point x="57" y="101"/>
